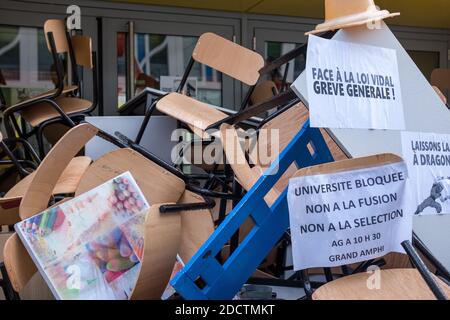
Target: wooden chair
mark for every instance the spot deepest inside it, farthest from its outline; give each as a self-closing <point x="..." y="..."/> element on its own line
<point x="441" y="79"/>
<point x="46" y="109"/>
<point x="66" y="184"/>
<point x="263" y="91"/>
<point x="396" y="284"/>
<point x="288" y="124"/>
<point x="166" y="234"/>
<point x="223" y="279"/>
<point x="220" y="54"/>
<point x="58" y="30"/>
<point x="247" y="173"/>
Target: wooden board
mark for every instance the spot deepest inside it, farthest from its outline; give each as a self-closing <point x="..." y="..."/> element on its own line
<point x="395" y="284"/>
<point x="228" y="57"/>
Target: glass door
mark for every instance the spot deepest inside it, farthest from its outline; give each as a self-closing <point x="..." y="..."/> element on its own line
<point x="272" y="43"/>
<point x="26" y="65"/>
<point x="160" y="55"/>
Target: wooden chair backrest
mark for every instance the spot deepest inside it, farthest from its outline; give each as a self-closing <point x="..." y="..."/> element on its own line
<point x="162" y="240"/>
<point x="288" y="124"/>
<point x="163" y="233"/>
<point x="40" y="190"/>
<point x="157" y="184"/>
<point x="228" y="57"/>
<point x="235" y="154"/>
<point x="18" y="263"/>
<point x="263" y="92"/>
<point x="167" y="235"/>
<point x="350" y="164"/>
<point x="58" y="29"/>
<point x="441" y="78"/>
<point x="82" y="49"/>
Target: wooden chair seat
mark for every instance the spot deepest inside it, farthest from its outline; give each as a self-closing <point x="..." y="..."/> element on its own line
<point x="196" y="114"/>
<point x="41" y="112"/>
<point x="67" y="184"/>
<point x="395" y="284"/>
<point x="46" y="94"/>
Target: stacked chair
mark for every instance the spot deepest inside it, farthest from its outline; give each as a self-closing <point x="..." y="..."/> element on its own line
<point x="253" y="236"/>
<point x="56" y="105"/>
<point x="66" y="184"/>
<point x="398" y="283"/>
<point x="265" y="206"/>
<point x="222" y="55"/>
<point x="167" y="234"/>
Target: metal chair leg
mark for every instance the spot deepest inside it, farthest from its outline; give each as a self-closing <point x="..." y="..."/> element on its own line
<point x="148" y="114"/>
<point x="424" y="271"/>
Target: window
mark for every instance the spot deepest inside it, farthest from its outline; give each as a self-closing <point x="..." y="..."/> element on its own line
<point x="25" y="63"/>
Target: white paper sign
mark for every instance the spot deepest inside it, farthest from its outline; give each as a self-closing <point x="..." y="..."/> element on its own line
<point x="428" y="159"/>
<point x="348" y="217"/>
<point x="353" y="86"/>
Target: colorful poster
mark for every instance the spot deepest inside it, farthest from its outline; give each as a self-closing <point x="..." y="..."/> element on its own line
<point x="90" y="247"/>
<point x="348" y="217"/>
<point x="428" y="158"/>
<point x="352" y="86"/>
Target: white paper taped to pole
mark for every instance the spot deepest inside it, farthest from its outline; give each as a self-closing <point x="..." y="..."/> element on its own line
<point x="348" y="217"/>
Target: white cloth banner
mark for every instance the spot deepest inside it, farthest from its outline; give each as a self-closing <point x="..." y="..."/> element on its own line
<point x="348" y="217"/>
<point x="427" y="156"/>
<point x="352" y="86"/>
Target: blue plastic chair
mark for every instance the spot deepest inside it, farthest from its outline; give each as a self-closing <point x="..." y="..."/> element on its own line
<point x="204" y="277"/>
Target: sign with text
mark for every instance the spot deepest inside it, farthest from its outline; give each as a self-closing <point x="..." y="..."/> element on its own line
<point x="427" y="156"/>
<point x="348" y="217"/>
<point x="353" y="86"/>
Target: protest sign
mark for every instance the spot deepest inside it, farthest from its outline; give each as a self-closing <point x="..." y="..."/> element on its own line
<point x="348" y="217"/>
<point x="352" y="86"/>
<point x="427" y="156"/>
